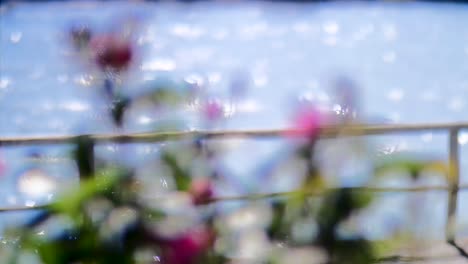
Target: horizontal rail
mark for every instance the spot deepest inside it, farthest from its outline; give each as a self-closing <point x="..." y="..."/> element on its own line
<point x="260" y="196"/>
<point x="326" y="132"/>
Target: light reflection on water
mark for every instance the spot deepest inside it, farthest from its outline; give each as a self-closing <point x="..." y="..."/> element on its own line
<point x="398" y="54"/>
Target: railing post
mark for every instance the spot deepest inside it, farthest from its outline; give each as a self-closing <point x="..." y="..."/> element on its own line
<point x="453" y="181"/>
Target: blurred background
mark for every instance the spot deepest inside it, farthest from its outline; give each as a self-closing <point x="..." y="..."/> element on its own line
<point x="251" y="61"/>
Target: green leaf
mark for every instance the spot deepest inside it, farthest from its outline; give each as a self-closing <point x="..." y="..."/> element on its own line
<point x="339" y="204"/>
<point x="165" y="92"/>
<point x="413" y="166"/>
<point x="72" y="202"/>
<point x="181" y="177"/>
<point x="276" y="230"/>
<point x="166" y="96"/>
<point x="353" y="251"/>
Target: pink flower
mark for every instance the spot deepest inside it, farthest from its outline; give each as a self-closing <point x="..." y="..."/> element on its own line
<point x="201" y="191"/>
<point x="188" y="247"/>
<point x="111" y="52"/>
<point x="213" y="110"/>
<point x="306" y="122"/>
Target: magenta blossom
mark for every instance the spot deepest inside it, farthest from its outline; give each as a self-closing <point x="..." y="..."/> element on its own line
<point x="187" y="248"/>
<point x="213" y="110"/>
<point x="201" y="191"/>
<point x="306" y="122"/>
<point x="111" y="52"/>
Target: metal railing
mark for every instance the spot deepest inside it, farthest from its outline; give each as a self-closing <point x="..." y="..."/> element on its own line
<point x="453" y="177"/>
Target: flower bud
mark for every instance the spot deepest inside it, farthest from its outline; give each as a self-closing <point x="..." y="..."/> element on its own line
<point x="111" y="52"/>
<point x="306" y="122"/>
<point x="213" y="110"/>
<point x="201" y="191"/>
<point x="188" y="247"/>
